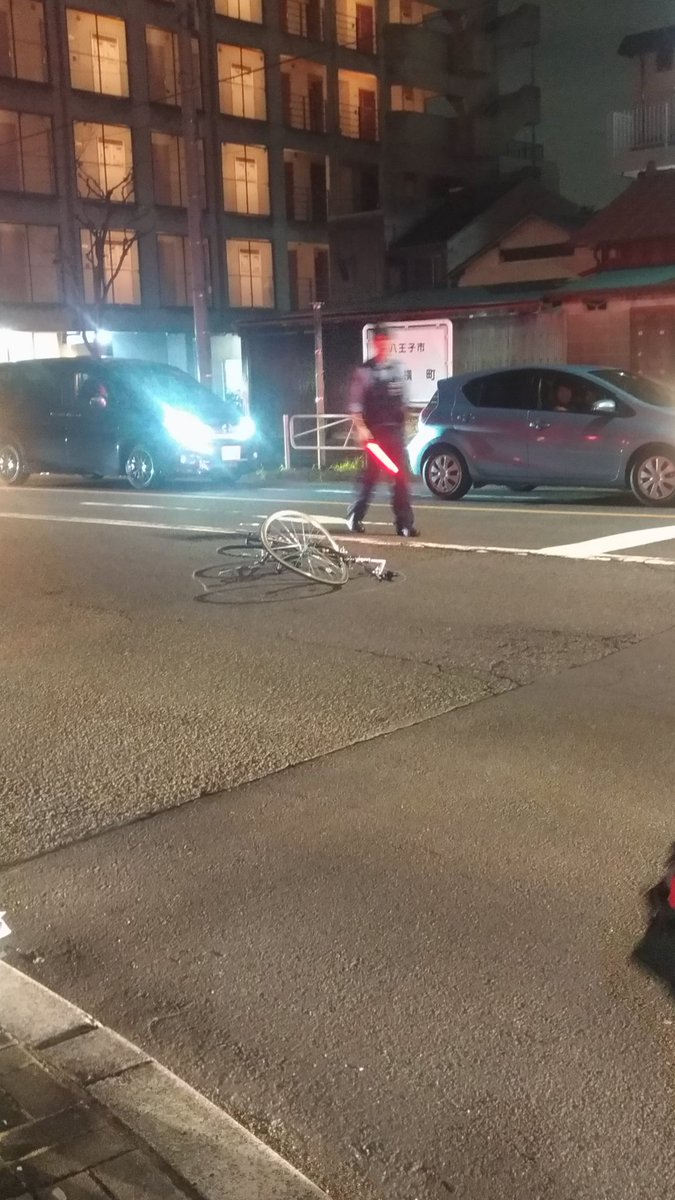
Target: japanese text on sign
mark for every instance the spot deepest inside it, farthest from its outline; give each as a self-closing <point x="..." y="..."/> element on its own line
<point x="424" y="350"/>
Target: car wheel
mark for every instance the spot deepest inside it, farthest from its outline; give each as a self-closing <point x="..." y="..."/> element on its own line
<point x="141" y="469"/>
<point x="446" y="473"/>
<point x="652" y="478"/>
<point x="13" y="470"/>
<point x="521" y="487"/>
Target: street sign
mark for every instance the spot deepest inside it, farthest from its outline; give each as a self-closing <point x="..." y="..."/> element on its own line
<point x="424" y="350"/>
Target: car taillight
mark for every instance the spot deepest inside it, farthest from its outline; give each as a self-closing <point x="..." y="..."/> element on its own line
<point x="429" y="409"/>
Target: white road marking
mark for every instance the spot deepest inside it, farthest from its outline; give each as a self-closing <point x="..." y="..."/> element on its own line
<point x="390" y="542"/>
<point x="614" y="541"/>
<point x="112" y="521"/>
<point x="131" y="504"/>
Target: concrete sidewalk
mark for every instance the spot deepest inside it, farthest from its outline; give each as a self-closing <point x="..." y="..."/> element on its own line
<point x="84" y="1115"/>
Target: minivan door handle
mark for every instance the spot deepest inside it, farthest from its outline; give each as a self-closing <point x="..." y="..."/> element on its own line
<point x="540" y="424"/>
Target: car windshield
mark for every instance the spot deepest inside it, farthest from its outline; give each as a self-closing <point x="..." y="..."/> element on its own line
<point x="647" y="390"/>
<point x="168" y="385"/>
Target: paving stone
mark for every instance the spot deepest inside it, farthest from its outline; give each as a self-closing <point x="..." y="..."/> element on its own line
<point x="78" y="1187"/>
<point x="11" y="1188"/>
<point x="51" y="1131"/>
<point x="36" y="1092"/>
<point x="73" y="1157"/>
<point x="93" y="1056"/>
<point x="12" y="1058"/>
<point x="33" y="1015"/>
<point x="10" y="1113"/>
<point x="134" y="1176"/>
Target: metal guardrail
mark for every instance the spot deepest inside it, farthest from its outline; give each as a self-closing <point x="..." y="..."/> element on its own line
<point x="330" y="433"/>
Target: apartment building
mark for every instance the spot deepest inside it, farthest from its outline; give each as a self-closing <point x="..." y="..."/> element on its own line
<point x="644" y="134"/>
<point x="324" y="127"/>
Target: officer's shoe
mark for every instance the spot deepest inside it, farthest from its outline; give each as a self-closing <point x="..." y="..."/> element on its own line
<point x="354" y="525"/>
<point x="407" y="531"/>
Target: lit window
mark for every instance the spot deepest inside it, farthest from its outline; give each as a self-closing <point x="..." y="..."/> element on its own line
<point x="110" y="266"/>
<point x="164" y="81"/>
<point x="241" y="76"/>
<point x="170" y="172"/>
<point x="303" y="94"/>
<point x="246" y="179"/>
<point x="26" y="153"/>
<point x="358" y="105"/>
<point x="104" y="162"/>
<point x="308" y="274"/>
<point x="98" y="53"/>
<point x="23" y="49"/>
<point x="241" y="10"/>
<point x="304" y="18"/>
<point x="175" y="276"/>
<point x="355" y="24"/>
<point x="29" y="256"/>
<point x="250" y="274"/>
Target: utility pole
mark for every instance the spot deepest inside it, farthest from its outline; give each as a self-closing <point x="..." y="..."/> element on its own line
<point x="319" y="386"/>
<point x="187" y="27"/>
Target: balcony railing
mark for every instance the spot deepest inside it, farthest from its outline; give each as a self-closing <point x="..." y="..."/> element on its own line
<point x="647" y="127"/>
<point x="359" y="121"/>
<point x="524" y="151"/>
<point x="357" y="32"/>
<point x="305" y="292"/>
<point x="306" y="204"/>
<point x="306" y="112"/>
<point x="304" y="18"/>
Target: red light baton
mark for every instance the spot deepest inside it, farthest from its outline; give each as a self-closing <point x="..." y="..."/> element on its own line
<point x="382" y="457"/>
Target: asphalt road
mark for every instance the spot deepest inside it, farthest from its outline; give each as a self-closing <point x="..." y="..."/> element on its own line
<point x="384" y="899"/>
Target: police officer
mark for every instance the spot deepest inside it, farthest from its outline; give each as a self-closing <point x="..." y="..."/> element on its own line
<point x="377" y="401"/>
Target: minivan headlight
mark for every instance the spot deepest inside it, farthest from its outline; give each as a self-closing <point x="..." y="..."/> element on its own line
<point x="187" y="429"/>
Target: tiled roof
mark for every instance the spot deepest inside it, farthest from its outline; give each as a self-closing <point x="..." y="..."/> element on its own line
<point x="649" y="42"/>
<point x="631" y="279"/>
<point x="645" y="210"/>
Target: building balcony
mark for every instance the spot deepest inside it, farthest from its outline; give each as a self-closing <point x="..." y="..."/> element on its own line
<point x="305" y="112"/>
<point x="418" y="54"/>
<point x="306" y="204"/>
<point x="425" y="138"/>
<point x="502" y="119"/>
<point x="642" y="135"/>
<point x="359" y="121"/>
<point x="516" y="30"/>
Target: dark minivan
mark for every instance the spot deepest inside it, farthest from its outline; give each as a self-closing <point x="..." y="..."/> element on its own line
<point x="142" y="420"/>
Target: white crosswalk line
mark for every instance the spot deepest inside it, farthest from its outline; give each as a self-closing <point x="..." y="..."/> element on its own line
<point x="613" y="541"/>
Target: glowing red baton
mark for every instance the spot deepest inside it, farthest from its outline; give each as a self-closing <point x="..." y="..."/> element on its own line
<point x="382" y="457"/>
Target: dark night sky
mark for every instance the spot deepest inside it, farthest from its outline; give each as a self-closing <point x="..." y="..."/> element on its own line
<point x="583" y="79"/>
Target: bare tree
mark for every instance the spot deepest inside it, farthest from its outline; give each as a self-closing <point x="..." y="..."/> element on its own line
<point x="97" y="214"/>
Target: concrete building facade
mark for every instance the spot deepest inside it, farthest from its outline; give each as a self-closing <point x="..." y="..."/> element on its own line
<point x="317" y="119"/>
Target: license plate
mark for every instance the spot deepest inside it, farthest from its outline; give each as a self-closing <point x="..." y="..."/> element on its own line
<point x="230" y="453"/>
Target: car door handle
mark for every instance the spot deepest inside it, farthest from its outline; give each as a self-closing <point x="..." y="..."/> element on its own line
<point x="540" y="424"/>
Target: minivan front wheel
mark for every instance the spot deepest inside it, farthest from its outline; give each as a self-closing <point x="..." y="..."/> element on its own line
<point x="446" y="473"/>
<point x="652" y="478"/>
<point x="141" y="469"/>
<point x="13" y="470"/>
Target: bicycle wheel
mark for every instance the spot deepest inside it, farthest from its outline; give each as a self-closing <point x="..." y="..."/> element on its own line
<point x="301" y="544"/>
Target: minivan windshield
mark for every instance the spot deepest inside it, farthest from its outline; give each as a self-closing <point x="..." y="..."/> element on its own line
<point x="168" y="385"/>
<point x="647" y="390"/>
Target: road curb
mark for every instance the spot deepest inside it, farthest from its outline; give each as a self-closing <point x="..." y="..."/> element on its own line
<point x="204" y="1149"/>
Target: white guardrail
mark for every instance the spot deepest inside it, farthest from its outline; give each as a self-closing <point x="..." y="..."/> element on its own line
<point x="330" y="433"/>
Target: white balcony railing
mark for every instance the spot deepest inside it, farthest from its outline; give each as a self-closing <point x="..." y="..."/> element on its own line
<point x="647" y="127"/>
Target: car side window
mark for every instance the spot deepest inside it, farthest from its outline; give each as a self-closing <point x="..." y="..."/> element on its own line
<point x="504" y="389"/>
<point x="89" y="391"/>
<point x="567" y="393"/>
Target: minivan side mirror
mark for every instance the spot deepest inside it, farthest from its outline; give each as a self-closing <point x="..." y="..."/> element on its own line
<point x="605" y="407"/>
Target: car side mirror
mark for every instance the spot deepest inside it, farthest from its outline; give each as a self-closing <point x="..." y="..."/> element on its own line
<point x="605" y="407"/>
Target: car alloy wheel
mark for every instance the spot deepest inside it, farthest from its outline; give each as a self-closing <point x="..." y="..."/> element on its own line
<point x="654" y="479"/>
<point x="140" y="468"/>
<point x="12" y="468"/>
<point x="446" y="475"/>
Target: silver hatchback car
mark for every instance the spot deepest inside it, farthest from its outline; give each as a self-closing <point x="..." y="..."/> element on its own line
<point x="564" y="426"/>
